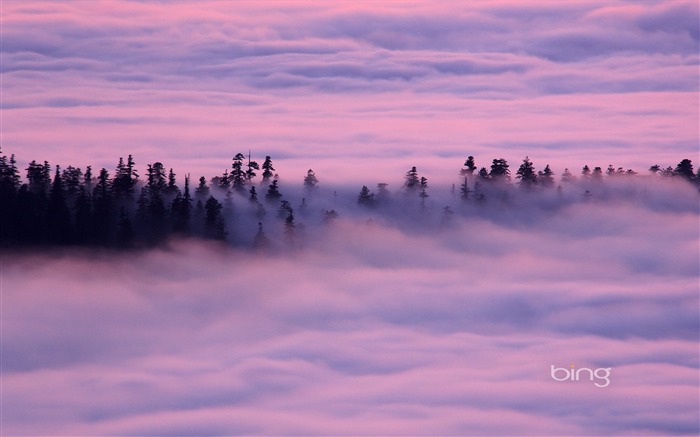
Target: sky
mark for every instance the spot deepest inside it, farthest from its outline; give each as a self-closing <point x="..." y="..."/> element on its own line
<point x="351" y="89"/>
<point x="398" y="320"/>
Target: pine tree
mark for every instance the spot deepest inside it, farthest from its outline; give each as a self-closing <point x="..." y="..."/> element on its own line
<point x="526" y="174"/>
<point x="214" y="225"/>
<point x="72" y="179"/>
<point x="88" y="180"/>
<point x="261" y="242"/>
<point x="365" y="197"/>
<point x="284" y="209"/>
<point x="156" y="178"/>
<point x="253" y="195"/>
<point x="58" y="216"/>
<point x="103" y="205"/>
<point x="412" y="182"/>
<point x="500" y="170"/>
<point x="685" y="169"/>
<point x="202" y="191"/>
<point x="470" y="167"/>
<point x="181" y="210"/>
<point x="423" y="194"/>
<point x="171" y="189"/>
<point x="273" y="192"/>
<point x="238" y="179"/>
<point x="567" y="176"/>
<point x="250" y="171"/>
<point x="290" y="229"/>
<point x="546" y="177"/>
<point x="223" y="182"/>
<point x="586" y="171"/>
<point x="9" y="188"/>
<point x="125" y="230"/>
<point x="83" y="216"/>
<point x="310" y="181"/>
<point x="39" y="178"/>
<point x="268" y="169"/>
<point x="464" y="190"/>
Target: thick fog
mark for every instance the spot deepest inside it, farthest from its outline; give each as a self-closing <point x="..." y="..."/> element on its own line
<point x="392" y="319"/>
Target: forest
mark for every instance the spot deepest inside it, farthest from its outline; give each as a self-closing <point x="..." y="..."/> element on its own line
<point x="66" y="206"/>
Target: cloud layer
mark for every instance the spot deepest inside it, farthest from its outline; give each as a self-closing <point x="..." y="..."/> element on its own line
<point x="351" y="87"/>
<point x="394" y="326"/>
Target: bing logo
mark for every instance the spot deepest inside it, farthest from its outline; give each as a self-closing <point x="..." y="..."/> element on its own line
<point x="600" y="376"/>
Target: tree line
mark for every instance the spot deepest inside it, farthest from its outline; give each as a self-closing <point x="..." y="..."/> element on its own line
<point x="55" y="206"/>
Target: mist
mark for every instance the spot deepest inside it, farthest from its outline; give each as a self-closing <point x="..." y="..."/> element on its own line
<point x="395" y="320"/>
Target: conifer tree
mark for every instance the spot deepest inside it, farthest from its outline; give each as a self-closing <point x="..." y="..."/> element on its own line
<point x="238" y="179"/>
<point x="412" y="182"/>
<point x="567" y="176"/>
<point x="464" y="190"/>
<point x="310" y="180"/>
<point x="261" y="242"/>
<point x="423" y="193"/>
<point x="214" y="225"/>
<point x="284" y="209"/>
<point x="171" y="189"/>
<point x="685" y="169"/>
<point x="500" y="171"/>
<point x="253" y="197"/>
<point x="268" y="169"/>
<point x="483" y="174"/>
<point x="182" y="209"/>
<point x="546" y="177"/>
<point x="365" y="198"/>
<point x="83" y="216"/>
<point x="250" y="171"/>
<point x="526" y="174"/>
<point x="58" y="216"/>
<point x="103" y="205"/>
<point x="273" y="192"/>
<point x="202" y="190"/>
<point x="470" y="167"/>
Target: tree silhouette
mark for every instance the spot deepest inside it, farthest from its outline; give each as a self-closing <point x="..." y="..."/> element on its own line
<point x="546" y="177"/>
<point x="201" y="193"/>
<point x="365" y="197"/>
<point x="310" y="180"/>
<point x="102" y="210"/>
<point x="58" y="216"/>
<point x="500" y="171"/>
<point x="238" y="177"/>
<point x="181" y="210"/>
<point x="250" y="171"/>
<point x="526" y="174"/>
<point x="261" y="242"/>
<point x="412" y="182"/>
<point x="74" y="208"/>
<point x="685" y="169"/>
<point x="470" y="167"/>
<point x="423" y="194"/>
<point x="464" y="189"/>
<point x="268" y="169"/>
<point x="214" y="225"/>
<point x="273" y="192"/>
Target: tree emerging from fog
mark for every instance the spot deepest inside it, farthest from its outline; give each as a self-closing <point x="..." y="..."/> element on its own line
<point x="64" y="206"/>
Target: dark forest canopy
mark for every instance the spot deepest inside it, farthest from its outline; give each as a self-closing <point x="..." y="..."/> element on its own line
<point x="70" y="206"/>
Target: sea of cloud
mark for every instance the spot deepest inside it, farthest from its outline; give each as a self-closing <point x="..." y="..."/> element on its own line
<point x="385" y="321"/>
